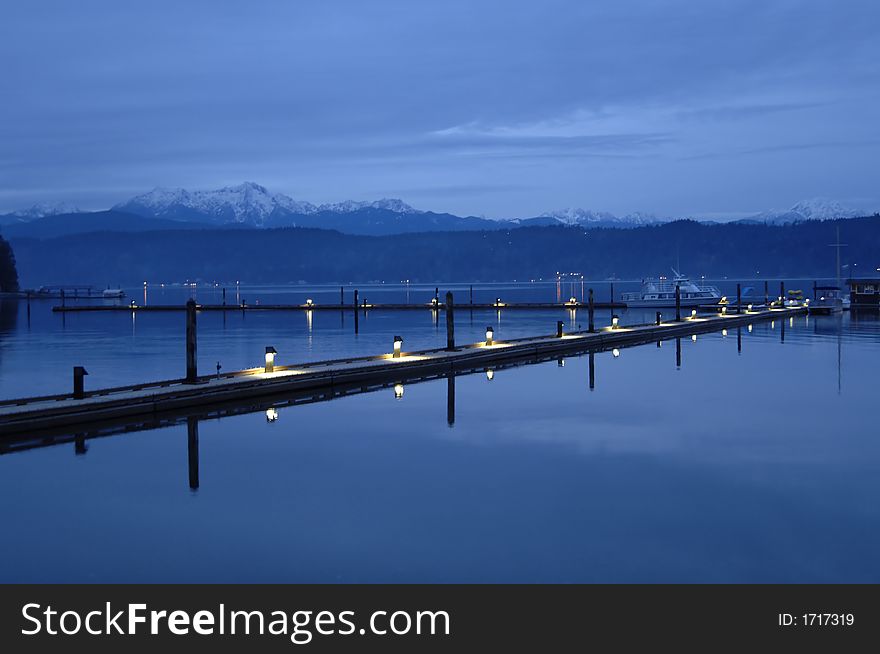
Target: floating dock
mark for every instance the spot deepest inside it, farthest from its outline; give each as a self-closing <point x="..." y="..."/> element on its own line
<point x="28" y="415"/>
<point x="330" y="307"/>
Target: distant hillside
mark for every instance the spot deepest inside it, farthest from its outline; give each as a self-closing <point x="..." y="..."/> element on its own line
<point x="97" y="221"/>
<point x="291" y="254"/>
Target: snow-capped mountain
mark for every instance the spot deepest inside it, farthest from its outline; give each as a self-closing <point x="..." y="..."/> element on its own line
<point x="247" y="203"/>
<point x="590" y="218"/>
<point x="46" y="209"/>
<point x="813" y="209"/>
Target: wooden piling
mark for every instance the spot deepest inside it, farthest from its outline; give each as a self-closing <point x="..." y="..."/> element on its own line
<point x="192" y="374"/>
<point x="355" y="311"/>
<point x="766" y="293"/>
<point x="558" y="329"/>
<point x="79" y="374"/>
<point x="658" y="319"/>
<point x="592" y="327"/>
<point x="224" y="297"/>
<point x="738" y="297"/>
<point x="472" y="294"/>
<point x="677" y="302"/>
<point x="782" y="292"/>
<point x="450" y="322"/>
<point x="341" y="296"/>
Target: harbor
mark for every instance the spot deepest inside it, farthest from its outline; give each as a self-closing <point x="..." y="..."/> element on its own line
<point x="81" y="406"/>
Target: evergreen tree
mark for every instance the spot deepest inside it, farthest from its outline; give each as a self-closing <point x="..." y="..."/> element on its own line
<point x="8" y="273"/>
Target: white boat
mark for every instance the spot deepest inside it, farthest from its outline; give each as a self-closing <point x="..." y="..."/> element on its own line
<point x="660" y="292"/>
<point x="112" y="293"/>
<point x="829" y="299"/>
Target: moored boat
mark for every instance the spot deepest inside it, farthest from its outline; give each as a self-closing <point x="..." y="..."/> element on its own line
<point x="660" y="292"/>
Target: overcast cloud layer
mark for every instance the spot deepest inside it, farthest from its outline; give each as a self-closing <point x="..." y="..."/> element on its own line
<point x="496" y="108"/>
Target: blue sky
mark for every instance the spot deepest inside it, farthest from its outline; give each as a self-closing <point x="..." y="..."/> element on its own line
<point x="489" y="108"/>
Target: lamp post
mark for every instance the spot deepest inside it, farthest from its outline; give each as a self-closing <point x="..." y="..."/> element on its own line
<point x="398" y="343"/>
<point x="490" y="335"/>
<point x="615" y="321"/>
<point x="270" y="358"/>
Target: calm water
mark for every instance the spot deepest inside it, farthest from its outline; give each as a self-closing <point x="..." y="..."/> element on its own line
<point x="761" y="465"/>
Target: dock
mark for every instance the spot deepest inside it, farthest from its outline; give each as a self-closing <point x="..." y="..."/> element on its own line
<point x="25" y="416"/>
<point x="134" y="307"/>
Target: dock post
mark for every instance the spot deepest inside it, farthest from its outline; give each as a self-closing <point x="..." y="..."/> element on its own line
<point x="592" y="358"/>
<point x="558" y="329"/>
<point x="472" y="294"/>
<point x="659" y="317"/>
<point x="782" y="292"/>
<point x="612" y="295"/>
<point x="677" y="302"/>
<point x="436" y="296"/>
<point x="355" y="311"/>
<point x="192" y="374"/>
<point x="738" y="298"/>
<point x="192" y="447"/>
<point x="592" y="327"/>
<point x="224" y="296"/>
<point x="341" y="296"/>
<point x="29" y="307"/>
<point x="450" y="398"/>
<point x="79" y="382"/>
<point x="766" y="294"/>
<point x="79" y="445"/>
<point x="450" y="322"/>
<point x="678" y="353"/>
<point x="62" y="297"/>
<point x="814" y="290"/>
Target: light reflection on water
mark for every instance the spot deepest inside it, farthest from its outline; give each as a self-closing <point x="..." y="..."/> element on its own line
<point x="755" y="460"/>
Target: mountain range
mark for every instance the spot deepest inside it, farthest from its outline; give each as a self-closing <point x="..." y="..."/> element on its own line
<point x="250" y="205"/>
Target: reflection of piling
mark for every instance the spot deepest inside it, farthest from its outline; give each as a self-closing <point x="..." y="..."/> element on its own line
<point x="739" y="340"/>
<point x="450" y="322"/>
<point x="678" y="353"/>
<point x="29" y="307"/>
<point x="192" y="374"/>
<point x="79" y="445"/>
<point x="591" y="309"/>
<point x="355" y="311"/>
<point x="782" y="332"/>
<point x="592" y="358"/>
<point x="192" y="432"/>
<point x="450" y="399"/>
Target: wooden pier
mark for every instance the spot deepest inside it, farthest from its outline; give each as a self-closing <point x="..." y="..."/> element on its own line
<point x="134" y="307"/>
<point x="26" y="416"/>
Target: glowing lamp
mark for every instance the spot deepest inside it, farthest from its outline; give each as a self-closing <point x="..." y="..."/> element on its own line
<point x="723" y="300"/>
<point x="615" y="321"/>
<point x="270" y="358"/>
<point x="615" y="353"/>
<point x="490" y="374"/>
<point x="724" y="311"/>
<point x="497" y="301"/>
<point x="693" y="314"/>
<point x="724" y="332"/>
<point x="133" y="305"/>
<point x="398" y="391"/>
<point x="309" y="302"/>
<point x="749" y="308"/>
<point x="398" y="343"/>
<point x="694" y="338"/>
<point x="271" y="414"/>
<point x="572" y="300"/>
<point x="490" y="335"/>
<point x="434" y="302"/>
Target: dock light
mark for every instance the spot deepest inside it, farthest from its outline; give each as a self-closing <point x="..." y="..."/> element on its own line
<point x="270" y="358"/>
<point x="398" y="391"/>
<point x="749" y="308"/>
<point x="497" y="301"/>
<point x="723" y="311"/>
<point x="615" y="321"/>
<point x="807" y="302"/>
<point x="434" y="302"/>
<point x="694" y="338"/>
<point x="572" y="300"/>
<point x="309" y="302"/>
<point x="723" y="300"/>
<point x="490" y="374"/>
<point x="615" y="353"/>
<point x="398" y="343"/>
<point x="693" y="314"/>
<point x="490" y="335"/>
<point x="132" y="305"/>
<point x="271" y="414"/>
